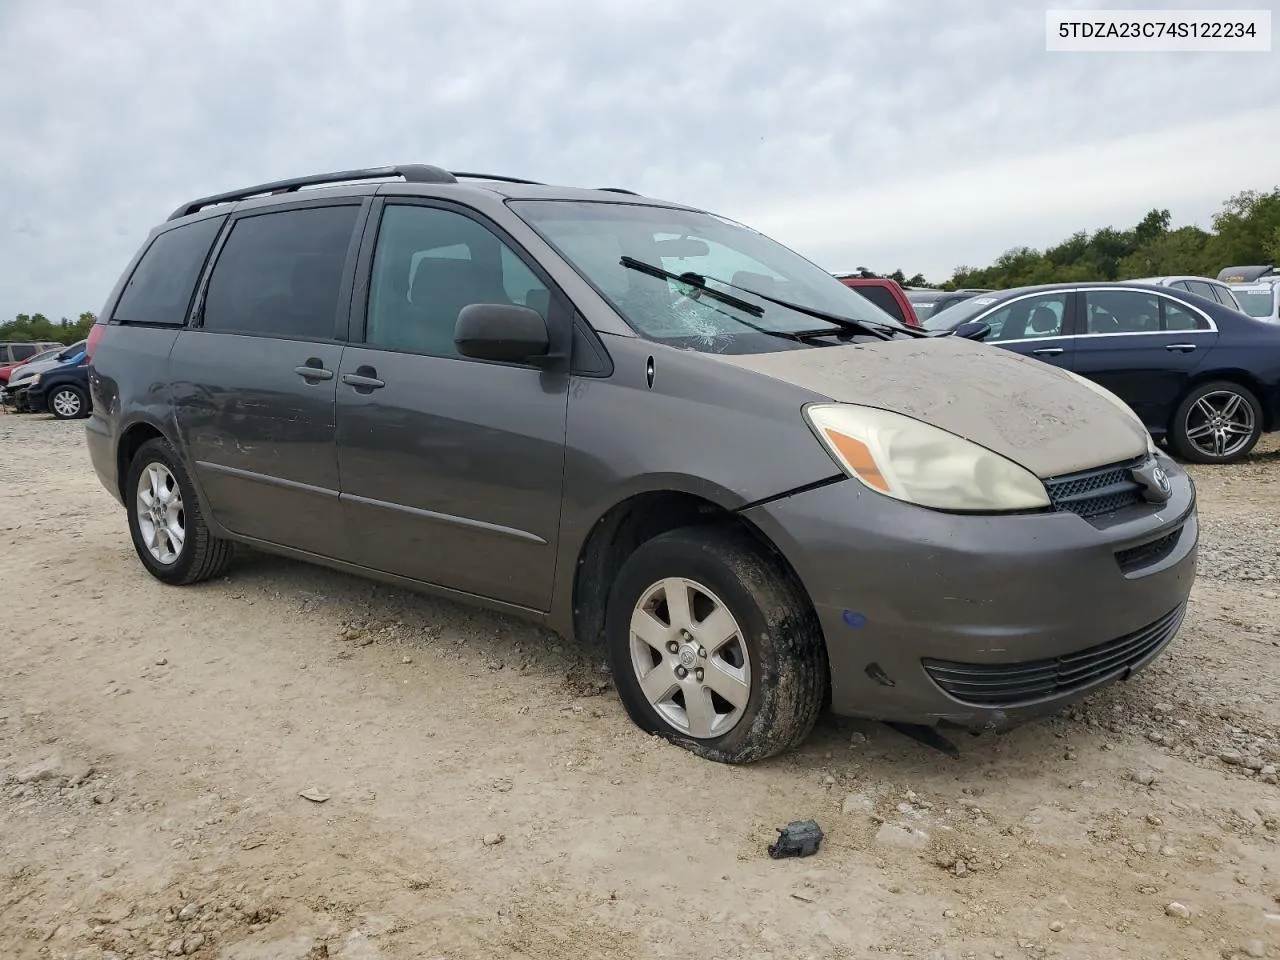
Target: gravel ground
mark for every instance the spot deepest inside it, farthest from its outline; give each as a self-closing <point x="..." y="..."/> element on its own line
<point x="291" y="764"/>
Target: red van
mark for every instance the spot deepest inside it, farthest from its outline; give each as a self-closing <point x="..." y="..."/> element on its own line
<point x="885" y="294"/>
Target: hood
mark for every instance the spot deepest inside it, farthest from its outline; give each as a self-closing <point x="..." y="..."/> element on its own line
<point x="1025" y="410"/>
<point x="23" y="372"/>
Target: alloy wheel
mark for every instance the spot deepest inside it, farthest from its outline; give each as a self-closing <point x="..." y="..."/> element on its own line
<point x="690" y="658"/>
<point x="162" y="520"/>
<point x="1220" y="424"/>
<point x="66" y="403"/>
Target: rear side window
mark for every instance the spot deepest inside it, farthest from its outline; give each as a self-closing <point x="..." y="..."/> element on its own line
<point x="161" y="286"/>
<point x="1201" y="289"/>
<point x="279" y="274"/>
<point x="24" y="351"/>
<point x="1224" y="297"/>
<point x="1176" y="316"/>
<point x="883" y="299"/>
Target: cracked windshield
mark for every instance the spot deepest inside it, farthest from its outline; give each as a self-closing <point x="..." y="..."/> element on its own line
<point x="739" y="267"/>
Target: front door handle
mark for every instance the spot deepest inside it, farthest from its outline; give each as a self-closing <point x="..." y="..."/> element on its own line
<point x="364" y="379"/>
<point x="313" y="370"/>
<point x="1047" y="351"/>
<point x="1183" y="347"/>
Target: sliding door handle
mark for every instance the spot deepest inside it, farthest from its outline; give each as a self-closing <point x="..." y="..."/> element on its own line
<point x="1047" y="351"/>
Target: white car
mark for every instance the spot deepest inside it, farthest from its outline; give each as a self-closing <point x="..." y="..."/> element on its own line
<point x="1201" y="287"/>
<point x="1260" y="299"/>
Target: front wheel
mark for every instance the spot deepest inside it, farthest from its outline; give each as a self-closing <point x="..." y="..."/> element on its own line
<point x="166" y="521"/>
<point x="68" y="403"/>
<point x="715" y="647"/>
<point x="1218" y="422"/>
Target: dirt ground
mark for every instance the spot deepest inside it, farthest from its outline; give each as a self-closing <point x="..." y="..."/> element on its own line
<point x="487" y="796"/>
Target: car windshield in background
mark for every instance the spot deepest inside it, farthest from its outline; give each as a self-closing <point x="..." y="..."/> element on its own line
<point x="1258" y="302"/>
<point x="958" y="313"/>
<point x="923" y="308"/>
<point x="594" y="237"/>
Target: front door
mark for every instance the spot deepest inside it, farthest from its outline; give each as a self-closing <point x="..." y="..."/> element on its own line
<point x="1143" y="347"/>
<point x="255" y="381"/>
<point x="451" y="468"/>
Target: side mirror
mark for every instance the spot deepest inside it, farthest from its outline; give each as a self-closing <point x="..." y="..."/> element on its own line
<point x="972" y="330"/>
<point x="502" y="332"/>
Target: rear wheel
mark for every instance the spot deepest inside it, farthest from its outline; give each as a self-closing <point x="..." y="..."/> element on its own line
<point x="166" y="522"/>
<point x="68" y="402"/>
<point x="1218" y="422"/>
<point x="715" y="647"/>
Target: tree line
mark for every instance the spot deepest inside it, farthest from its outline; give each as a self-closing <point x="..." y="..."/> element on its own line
<point x="37" y="328"/>
<point x="1245" y="231"/>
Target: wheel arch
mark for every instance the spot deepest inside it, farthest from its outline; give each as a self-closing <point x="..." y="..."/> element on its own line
<point x="631" y="522"/>
<point x="131" y="440"/>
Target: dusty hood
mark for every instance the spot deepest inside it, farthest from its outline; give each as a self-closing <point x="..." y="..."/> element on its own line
<point x="1024" y="409"/>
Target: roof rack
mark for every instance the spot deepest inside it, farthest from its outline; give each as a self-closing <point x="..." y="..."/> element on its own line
<point x="497" y="177"/>
<point x="411" y="172"/>
<point x="618" y="190"/>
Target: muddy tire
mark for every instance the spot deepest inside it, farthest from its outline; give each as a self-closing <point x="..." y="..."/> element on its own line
<point x="714" y="646"/>
<point x="166" y="522"/>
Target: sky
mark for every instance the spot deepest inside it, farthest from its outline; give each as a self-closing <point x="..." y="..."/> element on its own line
<point x="881" y="133"/>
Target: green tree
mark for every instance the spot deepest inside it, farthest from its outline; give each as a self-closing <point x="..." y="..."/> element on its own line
<point x="36" y="327"/>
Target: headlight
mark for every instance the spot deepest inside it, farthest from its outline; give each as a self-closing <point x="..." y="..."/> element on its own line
<point x="34" y="380"/>
<point x="921" y="464"/>
<point x="1108" y="395"/>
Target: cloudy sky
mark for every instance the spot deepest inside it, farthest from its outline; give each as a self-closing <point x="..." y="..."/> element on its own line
<point x="878" y="133"/>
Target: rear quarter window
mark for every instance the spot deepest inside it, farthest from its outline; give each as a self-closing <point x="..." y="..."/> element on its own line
<point x="160" y="289"/>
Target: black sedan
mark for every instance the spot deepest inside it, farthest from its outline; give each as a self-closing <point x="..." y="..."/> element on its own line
<point x="1198" y="373"/>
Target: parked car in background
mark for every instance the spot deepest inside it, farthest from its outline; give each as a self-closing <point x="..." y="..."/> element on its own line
<point x="62" y="390"/>
<point x="1260" y="300"/>
<point x="1201" y="374"/>
<point x="885" y="294"/>
<point x="1200" y="286"/>
<point x="927" y="302"/>
<point x="46" y="352"/>
<point x="643" y="425"/>
<point x="20" y="375"/>
<point x="1246" y="274"/>
<point x="14" y="353"/>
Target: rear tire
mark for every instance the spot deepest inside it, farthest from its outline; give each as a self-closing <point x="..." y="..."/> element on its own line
<point x="754" y="696"/>
<point x="68" y="402"/>
<point x="166" y="521"/>
<point x="1216" y="416"/>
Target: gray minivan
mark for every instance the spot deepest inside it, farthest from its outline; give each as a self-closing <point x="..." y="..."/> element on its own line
<point x="644" y="425"/>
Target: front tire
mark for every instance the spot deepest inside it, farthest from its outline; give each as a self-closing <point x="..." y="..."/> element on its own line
<point x="1218" y="422"/>
<point x="715" y="647"/>
<point x="68" y="402"/>
<point x="166" y="521"/>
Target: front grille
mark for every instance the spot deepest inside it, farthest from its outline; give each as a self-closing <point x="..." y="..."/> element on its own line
<point x="1146" y="554"/>
<point x="1011" y="684"/>
<point x="1095" y="492"/>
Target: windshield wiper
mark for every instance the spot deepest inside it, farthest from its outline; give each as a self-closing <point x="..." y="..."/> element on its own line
<point x="693" y="280"/>
<point x="883" y="331"/>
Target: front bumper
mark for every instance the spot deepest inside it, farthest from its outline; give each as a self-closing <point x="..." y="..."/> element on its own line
<point x="34" y="399"/>
<point x="983" y="621"/>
